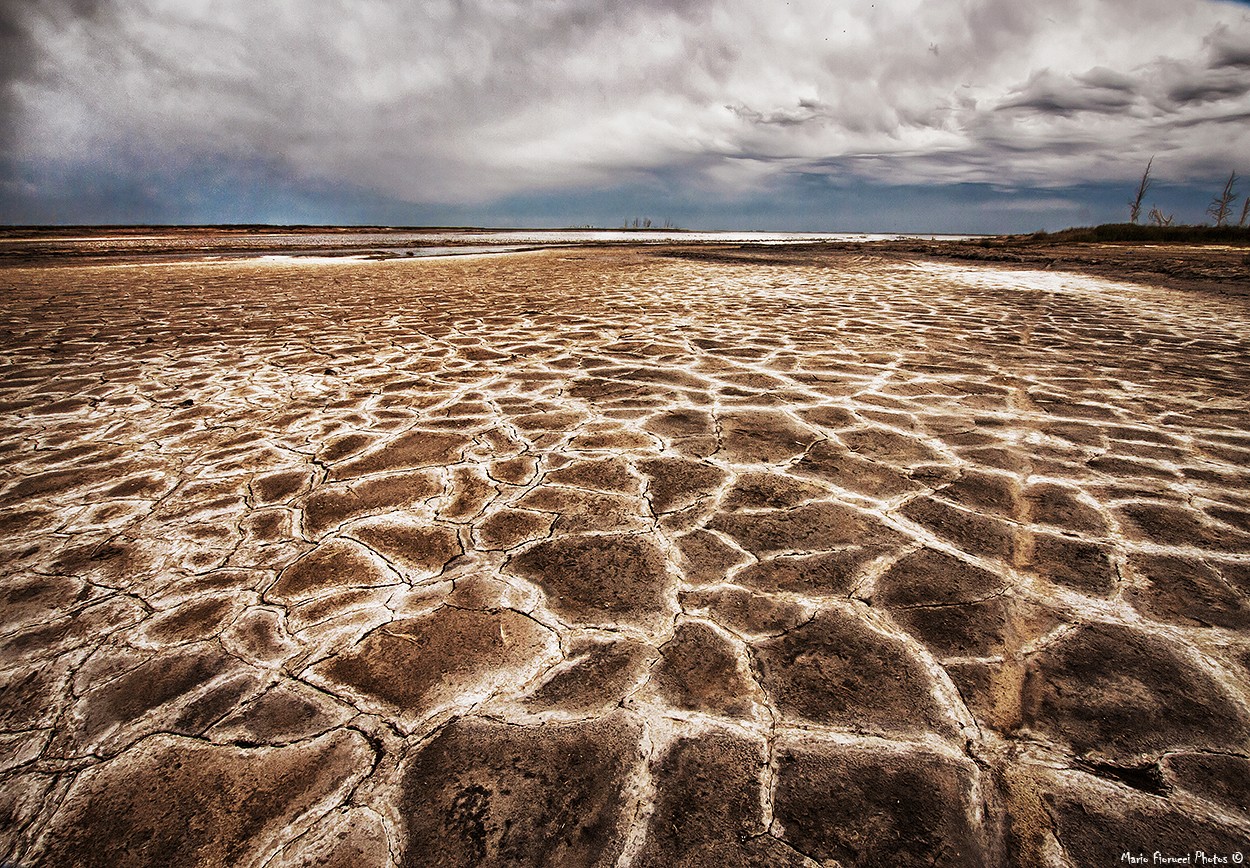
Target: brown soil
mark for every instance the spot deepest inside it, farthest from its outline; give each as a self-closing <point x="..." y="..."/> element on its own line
<point x="742" y="556"/>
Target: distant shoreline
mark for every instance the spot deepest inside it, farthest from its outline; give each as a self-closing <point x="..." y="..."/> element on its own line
<point x="1203" y="259"/>
<point x="1110" y="232"/>
<point x="78" y="243"/>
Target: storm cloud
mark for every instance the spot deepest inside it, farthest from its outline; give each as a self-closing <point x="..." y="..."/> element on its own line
<point x="465" y="103"/>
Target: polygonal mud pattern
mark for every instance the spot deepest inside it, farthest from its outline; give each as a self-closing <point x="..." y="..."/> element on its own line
<point x="876" y="806"/>
<point x="596" y="676"/>
<point x="419" y="665"/>
<point x="603" y="579"/>
<point x="839" y="671"/>
<point x="597" y="556"/>
<point x="1123" y="695"/>
<point x="1090" y="824"/>
<point x="489" y="794"/>
<point x="199" y="804"/>
<point x="707" y="805"/>
<point x="700" y="670"/>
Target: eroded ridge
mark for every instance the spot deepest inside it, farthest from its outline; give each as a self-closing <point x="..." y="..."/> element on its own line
<point x="601" y="558"/>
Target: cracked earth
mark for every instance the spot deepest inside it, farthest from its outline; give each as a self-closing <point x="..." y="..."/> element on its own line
<point x="602" y="557"/>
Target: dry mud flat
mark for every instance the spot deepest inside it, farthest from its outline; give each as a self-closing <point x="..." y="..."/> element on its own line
<point x="598" y="557"/>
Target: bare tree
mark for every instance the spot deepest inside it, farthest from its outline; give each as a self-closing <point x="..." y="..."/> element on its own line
<point x="1134" y="207"/>
<point x="1222" y="205"/>
<point x="1245" y="212"/>
<point x="1158" y="219"/>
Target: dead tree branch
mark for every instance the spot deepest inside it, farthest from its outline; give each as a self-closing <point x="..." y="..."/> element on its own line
<point x="1134" y="207"/>
<point x="1222" y="205"/>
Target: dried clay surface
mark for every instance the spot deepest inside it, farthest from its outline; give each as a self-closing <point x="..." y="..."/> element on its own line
<point x="605" y="557"/>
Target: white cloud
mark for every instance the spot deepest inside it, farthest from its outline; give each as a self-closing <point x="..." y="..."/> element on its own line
<point x="465" y="100"/>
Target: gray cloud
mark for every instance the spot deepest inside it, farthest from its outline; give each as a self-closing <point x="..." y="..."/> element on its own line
<point x="1209" y="89"/>
<point x="1049" y="93"/>
<point x="1108" y="79"/>
<point x="472" y="100"/>
<point x="18" y="54"/>
<point x="1229" y="47"/>
<point x="805" y="111"/>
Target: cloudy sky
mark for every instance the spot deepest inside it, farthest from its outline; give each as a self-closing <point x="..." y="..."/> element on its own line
<point x="899" y="115"/>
